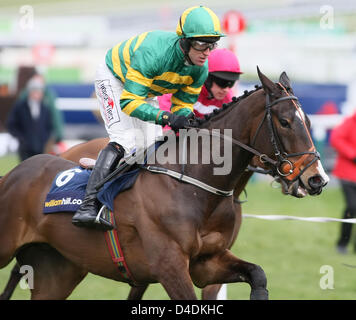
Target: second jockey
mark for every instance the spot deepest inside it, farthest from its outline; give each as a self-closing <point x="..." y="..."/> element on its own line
<point x="224" y="71"/>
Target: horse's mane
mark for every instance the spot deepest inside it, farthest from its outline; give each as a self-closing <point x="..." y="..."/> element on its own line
<point x="226" y="106"/>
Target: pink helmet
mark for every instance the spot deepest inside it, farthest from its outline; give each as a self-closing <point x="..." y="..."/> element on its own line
<point x="224" y="64"/>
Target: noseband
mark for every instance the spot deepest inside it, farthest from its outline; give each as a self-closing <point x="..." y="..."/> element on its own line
<point x="283" y="166"/>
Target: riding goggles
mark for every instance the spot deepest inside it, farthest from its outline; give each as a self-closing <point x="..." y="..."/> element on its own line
<point x="202" y="46"/>
<point x="222" y="83"/>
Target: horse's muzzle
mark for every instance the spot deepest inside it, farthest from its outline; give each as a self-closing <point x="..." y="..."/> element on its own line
<point x="316" y="184"/>
<point x="298" y="189"/>
<point x="293" y="189"/>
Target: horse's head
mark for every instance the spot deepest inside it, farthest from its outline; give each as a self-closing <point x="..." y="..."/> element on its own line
<point x="283" y="136"/>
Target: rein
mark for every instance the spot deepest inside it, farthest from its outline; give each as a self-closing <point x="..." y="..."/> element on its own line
<point x="184" y="178"/>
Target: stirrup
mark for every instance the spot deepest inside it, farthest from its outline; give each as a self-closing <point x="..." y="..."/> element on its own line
<point x="106" y="212"/>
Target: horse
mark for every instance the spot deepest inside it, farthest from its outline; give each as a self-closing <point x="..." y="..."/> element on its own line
<point x="90" y="150"/>
<point x="177" y="234"/>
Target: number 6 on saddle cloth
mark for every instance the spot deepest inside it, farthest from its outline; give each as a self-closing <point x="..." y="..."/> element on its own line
<point x="68" y="190"/>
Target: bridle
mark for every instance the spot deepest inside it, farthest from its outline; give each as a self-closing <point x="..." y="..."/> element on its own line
<point x="283" y="166"/>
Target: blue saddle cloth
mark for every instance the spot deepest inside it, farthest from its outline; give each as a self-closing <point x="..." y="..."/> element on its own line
<point x="68" y="189"/>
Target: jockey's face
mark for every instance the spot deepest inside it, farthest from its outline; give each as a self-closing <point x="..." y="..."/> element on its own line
<point x="199" y="57"/>
<point x="218" y="92"/>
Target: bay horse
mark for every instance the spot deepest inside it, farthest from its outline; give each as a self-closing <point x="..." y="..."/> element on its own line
<point x="91" y="149"/>
<point x="171" y="232"/>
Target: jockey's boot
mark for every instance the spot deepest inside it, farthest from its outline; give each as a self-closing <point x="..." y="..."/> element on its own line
<point x="86" y="215"/>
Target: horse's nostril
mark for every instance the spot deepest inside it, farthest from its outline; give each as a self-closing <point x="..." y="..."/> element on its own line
<point x="316" y="182"/>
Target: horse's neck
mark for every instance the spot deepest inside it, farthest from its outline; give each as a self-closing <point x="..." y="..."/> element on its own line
<point x="242" y="182"/>
<point x="227" y="162"/>
<point x="237" y="121"/>
<point x="240" y="116"/>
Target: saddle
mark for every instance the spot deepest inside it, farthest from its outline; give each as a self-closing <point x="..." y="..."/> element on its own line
<point x="87" y="163"/>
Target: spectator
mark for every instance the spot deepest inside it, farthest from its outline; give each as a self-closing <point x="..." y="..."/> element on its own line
<point x="49" y="98"/>
<point x="30" y="121"/>
<point x="343" y="139"/>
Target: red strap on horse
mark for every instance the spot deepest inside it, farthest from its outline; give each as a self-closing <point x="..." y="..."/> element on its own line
<point x="116" y="253"/>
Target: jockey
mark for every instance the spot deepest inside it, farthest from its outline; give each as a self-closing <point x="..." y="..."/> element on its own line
<point x="135" y="72"/>
<point x="224" y="71"/>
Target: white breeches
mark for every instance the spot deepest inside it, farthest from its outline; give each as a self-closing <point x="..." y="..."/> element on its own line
<point x="132" y="133"/>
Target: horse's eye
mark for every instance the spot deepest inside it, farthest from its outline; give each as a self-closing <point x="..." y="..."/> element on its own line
<point x="284" y="123"/>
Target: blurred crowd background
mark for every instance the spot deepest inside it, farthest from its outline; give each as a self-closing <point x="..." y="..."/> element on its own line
<point x="313" y="41"/>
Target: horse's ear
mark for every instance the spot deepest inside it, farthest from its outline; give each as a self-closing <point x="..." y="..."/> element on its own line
<point x="268" y="86"/>
<point x="284" y="80"/>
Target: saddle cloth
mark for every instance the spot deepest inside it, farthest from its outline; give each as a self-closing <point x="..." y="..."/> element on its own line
<point x="68" y="189"/>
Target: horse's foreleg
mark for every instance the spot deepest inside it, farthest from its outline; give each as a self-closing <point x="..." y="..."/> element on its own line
<point x="226" y="268"/>
<point x="14" y="279"/>
<point x="172" y="272"/>
<point x="136" y="293"/>
<point x="168" y="265"/>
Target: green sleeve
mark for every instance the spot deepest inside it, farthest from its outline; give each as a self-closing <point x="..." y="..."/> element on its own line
<point x="185" y="98"/>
